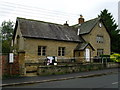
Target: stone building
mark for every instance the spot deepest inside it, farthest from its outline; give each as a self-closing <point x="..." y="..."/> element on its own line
<point x="35" y="40"/>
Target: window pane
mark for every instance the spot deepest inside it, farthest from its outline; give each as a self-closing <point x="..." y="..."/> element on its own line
<point x="43" y="54"/>
<point x="44" y="50"/>
<point x="63" y="54"/>
<point x="59" y="49"/>
<point x="39" y="50"/>
<point x="63" y="48"/>
<point x="39" y="53"/>
<point x="59" y="53"/>
<point x="44" y="47"/>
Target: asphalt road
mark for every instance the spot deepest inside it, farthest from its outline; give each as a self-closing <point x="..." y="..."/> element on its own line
<point x="105" y="81"/>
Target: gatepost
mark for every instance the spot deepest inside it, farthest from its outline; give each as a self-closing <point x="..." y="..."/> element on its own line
<point x="22" y="62"/>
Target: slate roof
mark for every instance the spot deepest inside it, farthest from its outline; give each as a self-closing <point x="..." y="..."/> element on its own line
<point x="87" y="26"/>
<point x="45" y="30"/>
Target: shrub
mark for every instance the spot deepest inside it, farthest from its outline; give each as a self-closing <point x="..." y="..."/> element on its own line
<point x="115" y="57"/>
<point x="6" y="76"/>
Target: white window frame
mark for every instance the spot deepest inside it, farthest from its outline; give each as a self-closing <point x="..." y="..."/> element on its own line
<point x="41" y="50"/>
<point x="100" y="39"/>
<point x="61" y="51"/>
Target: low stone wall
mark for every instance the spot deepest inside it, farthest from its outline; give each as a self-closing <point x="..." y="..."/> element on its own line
<point x="112" y="65"/>
<point x="63" y="69"/>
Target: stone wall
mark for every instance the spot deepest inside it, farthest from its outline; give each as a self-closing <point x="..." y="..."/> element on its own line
<point x="31" y="49"/>
<point x="112" y="65"/>
<point x="63" y="69"/>
<point x="91" y="38"/>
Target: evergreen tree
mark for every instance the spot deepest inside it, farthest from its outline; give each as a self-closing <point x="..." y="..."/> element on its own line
<point x="110" y="24"/>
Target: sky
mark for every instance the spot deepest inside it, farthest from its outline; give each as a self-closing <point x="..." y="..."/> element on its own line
<point x="119" y="15"/>
<point x="56" y="11"/>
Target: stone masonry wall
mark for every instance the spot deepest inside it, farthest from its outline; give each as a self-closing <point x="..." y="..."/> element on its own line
<point x="63" y="69"/>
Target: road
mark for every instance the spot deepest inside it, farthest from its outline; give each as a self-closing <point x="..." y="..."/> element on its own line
<point x="105" y="81"/>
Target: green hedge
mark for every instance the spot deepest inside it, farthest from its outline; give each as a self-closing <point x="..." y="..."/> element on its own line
<point x="115" y="57"/>
<point x="104" y="55"/>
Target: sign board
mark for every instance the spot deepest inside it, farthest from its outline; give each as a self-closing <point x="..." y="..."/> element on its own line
<point x="11" y="57"/>
<point x="51" y="60"/>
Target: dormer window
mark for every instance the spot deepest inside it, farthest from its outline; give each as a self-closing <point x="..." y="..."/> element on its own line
<point x="78" y="32"/>
<point x="100" y="24"/>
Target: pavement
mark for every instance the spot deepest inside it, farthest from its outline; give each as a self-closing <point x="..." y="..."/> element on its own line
<point x="41" y="79"/>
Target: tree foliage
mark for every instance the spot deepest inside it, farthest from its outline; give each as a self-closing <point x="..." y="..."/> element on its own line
<point x="7" y="30"/>
<point x="110" y="24"/>
<point x="6" y="34"/>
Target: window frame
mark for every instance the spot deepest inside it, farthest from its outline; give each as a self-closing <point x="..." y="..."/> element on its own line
<point x="99" y="39"/>
<point x="61" y="51"/>
<point x="100" y="52"/>
<point x="42" y="50"/>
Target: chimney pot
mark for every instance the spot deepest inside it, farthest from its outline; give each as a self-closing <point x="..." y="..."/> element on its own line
<point x="66" y="24"/>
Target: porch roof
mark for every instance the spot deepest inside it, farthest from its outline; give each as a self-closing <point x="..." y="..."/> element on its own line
<point x="82" y="46"/>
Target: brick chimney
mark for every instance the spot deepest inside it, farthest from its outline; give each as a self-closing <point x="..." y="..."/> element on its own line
<point x="81" y="20"/>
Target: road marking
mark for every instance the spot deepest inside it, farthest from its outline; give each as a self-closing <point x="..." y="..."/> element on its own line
<point x="115" y="83"/>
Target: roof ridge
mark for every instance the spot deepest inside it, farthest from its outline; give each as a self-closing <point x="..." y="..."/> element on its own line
<point x="92" y="19"/>
<point x="87" y="21"/>
<point x="39" y="21"/>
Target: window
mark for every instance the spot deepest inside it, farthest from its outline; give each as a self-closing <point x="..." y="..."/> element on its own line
<point x="42" y="50"/>
<point x="100" y="24"/>
<point x="99" y="39"/>
<point x="61" y="51"/>
<point x="99" y="52"/>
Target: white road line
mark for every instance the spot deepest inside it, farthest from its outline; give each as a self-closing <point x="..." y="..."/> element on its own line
<point x="115" y="83"/>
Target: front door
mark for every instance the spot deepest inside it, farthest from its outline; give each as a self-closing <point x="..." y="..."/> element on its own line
<point x="87" y="54"/>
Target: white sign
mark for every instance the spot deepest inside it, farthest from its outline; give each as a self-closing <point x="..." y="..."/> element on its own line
<point x="51" y="60"/>
<point x="11" y="57"/>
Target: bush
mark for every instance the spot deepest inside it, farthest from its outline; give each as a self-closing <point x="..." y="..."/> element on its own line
<point x="115" y="57"/>
<point x="6" y="76"/>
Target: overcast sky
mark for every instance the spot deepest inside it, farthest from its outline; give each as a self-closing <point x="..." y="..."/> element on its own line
<point x="56" y="11"/>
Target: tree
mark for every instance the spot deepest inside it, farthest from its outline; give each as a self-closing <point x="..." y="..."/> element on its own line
<point x="110" y="24"/>
<point x="7" y="33"/>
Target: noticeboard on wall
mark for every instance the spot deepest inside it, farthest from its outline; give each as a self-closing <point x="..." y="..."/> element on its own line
<point x="51" y="60"/>
<point x="11" y="57"/>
